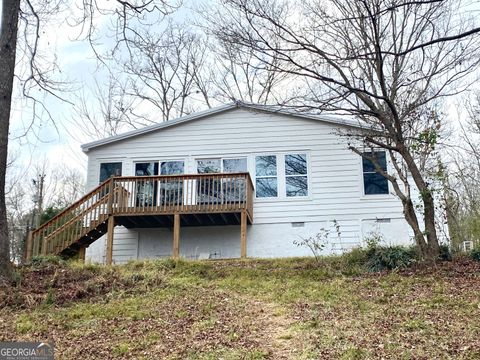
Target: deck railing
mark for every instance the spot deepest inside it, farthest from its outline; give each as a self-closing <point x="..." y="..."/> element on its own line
<point x="142" y="195"/>
<point x="168" y="194"/>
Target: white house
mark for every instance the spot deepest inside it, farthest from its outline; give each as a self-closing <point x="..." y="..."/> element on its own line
<point x="303" y="179"/>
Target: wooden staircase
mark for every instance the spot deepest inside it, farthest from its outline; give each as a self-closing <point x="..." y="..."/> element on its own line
<point x="76" y="227"/>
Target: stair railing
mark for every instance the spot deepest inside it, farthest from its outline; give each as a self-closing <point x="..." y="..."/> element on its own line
<point x="71" y="224"/>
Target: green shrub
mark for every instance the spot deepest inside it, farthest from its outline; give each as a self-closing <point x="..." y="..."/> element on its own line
<point x="475" y="254"/>
<point x="381" y="258"/>
<point x="445" y="253"/>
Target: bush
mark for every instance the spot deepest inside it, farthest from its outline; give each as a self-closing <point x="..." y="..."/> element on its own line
<point x="381" y="258"/>
<point x="445" y="253"/>
<point x="475" y="254"/>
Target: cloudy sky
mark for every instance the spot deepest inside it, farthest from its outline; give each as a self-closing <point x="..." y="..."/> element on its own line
<point x="55" y="136"/>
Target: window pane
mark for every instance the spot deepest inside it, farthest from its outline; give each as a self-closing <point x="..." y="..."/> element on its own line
<point x="380" y="156"/>
<point x="296" y="164"/>
<point x="297" y="186"/>
<point x="146" y="169"/>
<point x="266" y="165"/>
<point x="235" y="165"/>
<point x="266" y="187"/>
<point x="108" y="170"/>
<point x="171" y="191"/>
<point x="171" y="168"/>
<point x="375" y="183"/>
<point x="208" y="166"/>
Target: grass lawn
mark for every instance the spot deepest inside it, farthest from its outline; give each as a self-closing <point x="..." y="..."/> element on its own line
<point x="253" y="309"/>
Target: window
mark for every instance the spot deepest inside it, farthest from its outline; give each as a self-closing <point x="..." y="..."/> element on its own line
<point x="373" y="182"/>
<point x="171" y="191"/>
<point x="235" y="165"/>
<point x="266" y="176"/>
<point x="108" y="170"/>
<point x="146" y="190"/>
<point x="296" y="180"/>
<point x="234" y="190"/>
<point x="146" y="169"/>
<point x="208" y="166"/>
<point x="208" y="189"/>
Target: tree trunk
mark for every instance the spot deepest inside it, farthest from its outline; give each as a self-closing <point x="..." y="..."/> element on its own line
<point x="8" y="45"/>
<point x="432" y="249"/>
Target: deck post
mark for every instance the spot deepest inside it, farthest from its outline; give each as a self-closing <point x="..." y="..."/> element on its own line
<point x="29" y="246"/>
<point x="81" y="253"/>
<point x="110" y="229"/>
<point x="176" y="236"/>
<point x="243" y="235"/>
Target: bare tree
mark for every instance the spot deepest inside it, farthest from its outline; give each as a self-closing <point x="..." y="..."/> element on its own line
<point x="165" y="70"/>
<point x="239" y="75"/>
<point x="31" y="17"/>
<point x="383" y="62"/>
<point x="463" y="182"/>
<point x="103" y="111"/>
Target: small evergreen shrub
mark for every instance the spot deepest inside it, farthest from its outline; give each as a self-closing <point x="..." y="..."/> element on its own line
<point x="445" y="253"/>
<point x="381" y="258"/>
<point x="475" y="253"/>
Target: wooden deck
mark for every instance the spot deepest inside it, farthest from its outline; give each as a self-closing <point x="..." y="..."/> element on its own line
<point x="146" y="202"/>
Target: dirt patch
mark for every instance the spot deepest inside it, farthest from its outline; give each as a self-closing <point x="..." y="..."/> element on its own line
<point x="282" y="340"/>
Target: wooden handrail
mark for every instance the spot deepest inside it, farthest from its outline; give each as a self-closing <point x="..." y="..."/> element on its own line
<point x="71" y="207"/>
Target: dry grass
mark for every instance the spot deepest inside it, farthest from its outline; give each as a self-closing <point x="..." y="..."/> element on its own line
<point x="256" y="309"/>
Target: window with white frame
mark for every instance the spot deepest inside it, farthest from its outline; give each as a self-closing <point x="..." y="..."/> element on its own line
<point x="374" y="183"/>
<point x="212" y="190"/>
<point x="151" y="192"/>
<point x="110" y="169"/>
<point x="266" y="180"/>
<point x="296" y="175"/>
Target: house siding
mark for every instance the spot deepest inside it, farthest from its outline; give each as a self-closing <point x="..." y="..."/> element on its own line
<point x="335" y="186"/>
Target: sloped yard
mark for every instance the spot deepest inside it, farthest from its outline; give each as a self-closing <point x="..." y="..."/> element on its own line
<point x="255" y="309"/>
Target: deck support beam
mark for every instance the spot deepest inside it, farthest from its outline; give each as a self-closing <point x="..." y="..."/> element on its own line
<point x="176" y="236"/>
<point x="243" y="235"/>
<point x="110" y="230"/>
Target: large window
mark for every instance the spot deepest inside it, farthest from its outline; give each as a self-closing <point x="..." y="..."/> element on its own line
<point x="212" y="190"/>
<point x="150" y="192"/>
<point x="374" y="183"/>
<point x="171" y="191"/>
<point x="266" y="183"/>
<point x="296" y="180"/>
<point x="108" y="170"/>
<point x="234" y="190"/>
<point x="146" y="189"/>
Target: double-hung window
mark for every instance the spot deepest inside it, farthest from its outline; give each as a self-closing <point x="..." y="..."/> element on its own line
<point x="296" y="179"/>
<point x="266" y="180"/>
<point x="374" y="183"/>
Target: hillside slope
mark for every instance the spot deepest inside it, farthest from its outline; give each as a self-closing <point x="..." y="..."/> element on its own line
<point x="254" y="309"/>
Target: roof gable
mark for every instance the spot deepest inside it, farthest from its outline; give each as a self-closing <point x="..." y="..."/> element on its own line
<point x="210" y="112"/>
